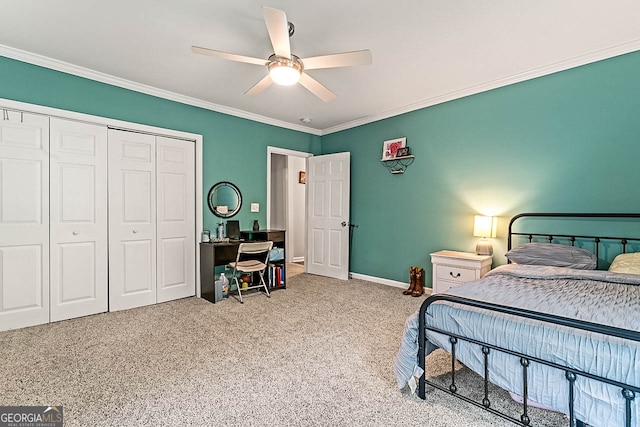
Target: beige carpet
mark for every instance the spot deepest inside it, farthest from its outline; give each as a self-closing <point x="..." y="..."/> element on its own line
<point x="319" y="353"/>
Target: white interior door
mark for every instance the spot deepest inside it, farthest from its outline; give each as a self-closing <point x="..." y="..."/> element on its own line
<point x="175" y="219"/>
<point x="132" y="220"/>
<point x="24" y="220"/>
<point x="78" y="219"/>
<point x="328" y="193"/>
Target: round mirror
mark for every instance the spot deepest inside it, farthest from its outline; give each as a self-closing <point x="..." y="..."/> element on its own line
<point x="224" y="199"/>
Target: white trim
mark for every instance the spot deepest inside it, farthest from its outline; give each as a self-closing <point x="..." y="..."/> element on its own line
<point x="383" y="281"/>
<point x="297" y="259"/>
<point x="577" y="61"/>
<point x="286" y="152"/>
<point x="198" y="229"/>
<point x="65" y="67"/>
<point x="136" y="127"/>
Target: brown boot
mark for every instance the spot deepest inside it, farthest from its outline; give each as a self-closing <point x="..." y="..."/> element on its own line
<point x="412" y="286"/>
<point x="419" y="289"/>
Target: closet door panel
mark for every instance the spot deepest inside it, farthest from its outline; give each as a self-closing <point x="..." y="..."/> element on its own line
<point x="78" y="219"/>
<point x="132" y="220"/>
<point x="176" y="218"/>
<point x="24" y="220"/>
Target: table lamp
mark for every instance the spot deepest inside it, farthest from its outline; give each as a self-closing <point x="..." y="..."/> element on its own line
<point x="485" y="227"/>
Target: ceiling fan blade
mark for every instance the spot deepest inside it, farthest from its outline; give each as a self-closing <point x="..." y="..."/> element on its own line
<point x="278" y="28"/>
<point x="260" y="86"/>
<point x="230" y="56"/>
<point x="316" y="88"/>
<point x="347" y="59"/>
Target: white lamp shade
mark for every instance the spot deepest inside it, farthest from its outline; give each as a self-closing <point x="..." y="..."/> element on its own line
<point x="284" y="75"/>
<point x="485" y="226"/>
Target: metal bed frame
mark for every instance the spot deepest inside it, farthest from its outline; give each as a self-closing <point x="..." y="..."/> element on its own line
<point x="628" y="391"/>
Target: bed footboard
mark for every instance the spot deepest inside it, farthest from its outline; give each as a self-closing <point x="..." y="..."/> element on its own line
<point x="628" y="392"/>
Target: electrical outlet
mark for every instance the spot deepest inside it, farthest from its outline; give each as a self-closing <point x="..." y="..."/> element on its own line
<point x="255" y="207"/>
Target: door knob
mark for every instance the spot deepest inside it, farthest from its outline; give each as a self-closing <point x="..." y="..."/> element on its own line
<point x="135" y="231"/>
<point x="75" y="233"/>
<point x="344" y="223"/>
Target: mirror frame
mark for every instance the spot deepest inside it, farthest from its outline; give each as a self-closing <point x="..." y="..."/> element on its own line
<point x="210" y="196"/>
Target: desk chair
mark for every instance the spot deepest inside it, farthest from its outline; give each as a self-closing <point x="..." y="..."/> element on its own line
<point x="252" y="257"/>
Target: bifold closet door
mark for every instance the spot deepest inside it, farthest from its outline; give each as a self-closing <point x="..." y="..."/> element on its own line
<point x="151" y="219"/>
<point x="175" y="172"/>
<point x="24" y="219"/>
<point x="78" y="219"/>
<point x="132" y="220"/>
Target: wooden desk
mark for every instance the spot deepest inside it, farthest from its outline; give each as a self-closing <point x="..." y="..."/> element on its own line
<point x="216" y="254"/>
<point x="211" y="255"/>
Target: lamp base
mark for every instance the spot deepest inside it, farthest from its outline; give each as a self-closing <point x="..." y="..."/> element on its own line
<point x="484" y="247"/>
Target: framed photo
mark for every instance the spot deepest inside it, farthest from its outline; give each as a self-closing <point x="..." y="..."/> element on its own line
<point x="403" y="151"/>
<point x="390" y="148"/>
<point x="302" y="177"/>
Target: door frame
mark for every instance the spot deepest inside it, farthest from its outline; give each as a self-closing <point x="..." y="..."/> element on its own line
<point x="284" y="152"/>
<point x="133" y="127"/>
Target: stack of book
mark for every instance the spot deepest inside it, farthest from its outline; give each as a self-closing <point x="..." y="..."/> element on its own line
<point x="276" y="276"/>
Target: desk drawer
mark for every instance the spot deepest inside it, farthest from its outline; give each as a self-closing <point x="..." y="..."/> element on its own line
<point x="455" y="274"/>
<point x="275" y="236"/>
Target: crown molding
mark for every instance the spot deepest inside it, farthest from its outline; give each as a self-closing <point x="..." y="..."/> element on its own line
<point x="75" y="70"/>
<point x="577" y="61"/>
<point x="65" y="67"/>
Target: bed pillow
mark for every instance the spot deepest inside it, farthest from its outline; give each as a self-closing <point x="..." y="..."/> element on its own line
<point x="626" y="263"/>
<point x="553" y="254"/>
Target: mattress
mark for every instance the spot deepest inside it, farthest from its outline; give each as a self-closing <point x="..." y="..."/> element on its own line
<point x="594" y="296"/>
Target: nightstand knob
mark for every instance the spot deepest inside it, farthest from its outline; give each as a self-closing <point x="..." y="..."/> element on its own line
<point x="456" y="276"/>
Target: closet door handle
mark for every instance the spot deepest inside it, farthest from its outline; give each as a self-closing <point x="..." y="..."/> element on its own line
<point x="75" y="233"/>
<point x="135" y="231"/>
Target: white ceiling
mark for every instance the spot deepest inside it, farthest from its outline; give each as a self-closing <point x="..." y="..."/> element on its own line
<point x="424" y="51"/>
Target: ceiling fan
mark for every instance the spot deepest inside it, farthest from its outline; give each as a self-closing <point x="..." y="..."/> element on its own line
<point x="286" y="68"/>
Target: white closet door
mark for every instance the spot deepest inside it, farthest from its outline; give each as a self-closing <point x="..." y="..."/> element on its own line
<point x="132" y="220"/>
<point x="78" y="193"/>
<point x="176" y="218"/>
<point x="24" y="220"/>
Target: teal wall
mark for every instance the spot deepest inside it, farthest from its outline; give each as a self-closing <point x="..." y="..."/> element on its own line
<point x="569" y="141"/>
<point x="565" y="142"/>
<point x="234" y="149"/>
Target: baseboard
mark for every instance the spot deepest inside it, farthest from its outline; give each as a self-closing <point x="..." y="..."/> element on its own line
<point x="297" y="259"/>
<point x="382" y="281"/>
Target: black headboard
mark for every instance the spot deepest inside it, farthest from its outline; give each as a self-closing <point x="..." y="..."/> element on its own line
<point x="571" y="238"/>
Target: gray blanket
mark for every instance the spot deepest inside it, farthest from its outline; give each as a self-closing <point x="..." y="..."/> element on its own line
<point x="595" y="296"/>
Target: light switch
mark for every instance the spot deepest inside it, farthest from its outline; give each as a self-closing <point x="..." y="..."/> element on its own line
<point x="255" y="207"/>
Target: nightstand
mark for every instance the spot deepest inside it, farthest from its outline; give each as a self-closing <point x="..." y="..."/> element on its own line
<point x="451" y="268"/>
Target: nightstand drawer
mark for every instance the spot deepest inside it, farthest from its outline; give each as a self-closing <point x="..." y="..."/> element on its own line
<point x="442" y="286"/>
<point x="455" y="274"/>
<point x="451" y="268"/>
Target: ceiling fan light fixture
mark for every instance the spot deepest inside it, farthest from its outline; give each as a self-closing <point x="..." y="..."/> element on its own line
<point x="285" y="71"/>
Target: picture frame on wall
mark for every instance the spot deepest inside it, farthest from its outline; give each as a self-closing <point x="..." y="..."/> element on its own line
<point x="302" y="177"/>
<point x="403" y="151"/>
<point x="391" y="146"/>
